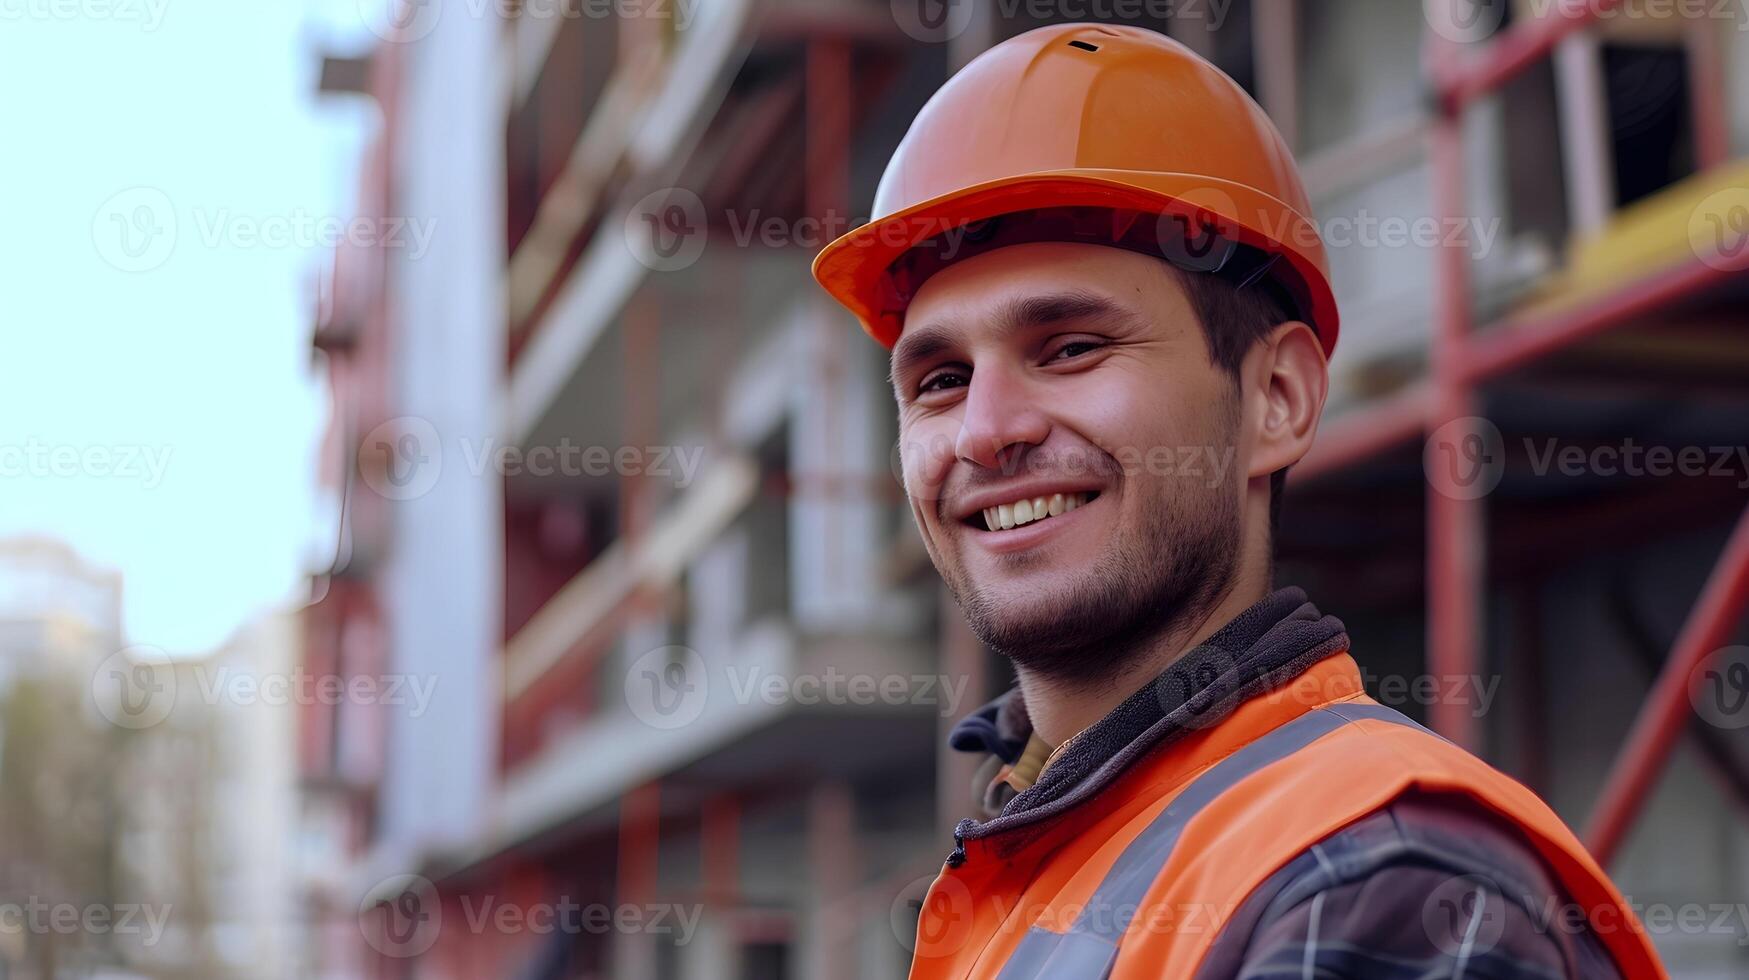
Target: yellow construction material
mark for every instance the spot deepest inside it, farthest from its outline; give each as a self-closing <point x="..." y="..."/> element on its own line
<point x="1673" y="226"/>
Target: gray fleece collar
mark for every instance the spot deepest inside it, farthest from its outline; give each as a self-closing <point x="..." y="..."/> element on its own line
<point x="1268" y="644"/>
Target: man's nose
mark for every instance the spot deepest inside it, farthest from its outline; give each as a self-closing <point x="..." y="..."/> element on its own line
<point x="1002" y="417"/>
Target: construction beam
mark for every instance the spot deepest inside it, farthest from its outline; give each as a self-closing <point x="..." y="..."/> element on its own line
<point x="1713" y="742"/>
<point x="1521" y="339"/>
<point x="1586" y="155"/>
<point x="1708" y="83"/>
<point x="1457" y="81"/>
<point x="833" y="849"/>
<point x="1386" y="148"/>
<point x="1275" y="53"/>
<point x="1367" y="432"/>
<point x="721" y="835"/>
<point x="1483" y="355"/>
<point x="1454" y="516"/>
<point x="635" y="882"/>
<point x="1665" y="711"/>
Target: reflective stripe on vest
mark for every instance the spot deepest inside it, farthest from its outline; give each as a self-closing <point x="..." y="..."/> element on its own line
<point x="1088" y="949"/>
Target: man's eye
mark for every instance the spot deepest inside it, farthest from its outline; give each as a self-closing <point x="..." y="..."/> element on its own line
<point x="1074" y="348"/>
<point x="942" y="381"/>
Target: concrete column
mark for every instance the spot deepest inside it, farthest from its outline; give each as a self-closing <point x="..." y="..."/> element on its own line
<point x="829" y="947"/>
<point x="442" y="579"/>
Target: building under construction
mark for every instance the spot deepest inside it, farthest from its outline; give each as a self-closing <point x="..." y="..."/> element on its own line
<point x="617" y="476"/>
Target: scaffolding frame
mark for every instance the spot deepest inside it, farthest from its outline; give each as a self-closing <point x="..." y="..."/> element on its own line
<point x="1461" y="358"/>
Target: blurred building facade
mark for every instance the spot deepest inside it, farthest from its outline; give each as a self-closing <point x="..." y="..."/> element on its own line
<point x="144" y="799"/>
<point x="59" y="618"/>
<point x="56" y="611"/>
<point x="618" y="481"/>
<point x="205" y="836"/>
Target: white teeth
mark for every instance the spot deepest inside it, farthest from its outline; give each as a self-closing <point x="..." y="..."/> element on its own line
<point x="1027" y="511"/>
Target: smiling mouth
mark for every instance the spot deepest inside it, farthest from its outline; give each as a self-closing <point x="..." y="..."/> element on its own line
<point x="1028" y="510"/>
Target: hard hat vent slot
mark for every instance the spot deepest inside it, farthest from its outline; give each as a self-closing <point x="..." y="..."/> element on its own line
<point x="1083" y="45"/>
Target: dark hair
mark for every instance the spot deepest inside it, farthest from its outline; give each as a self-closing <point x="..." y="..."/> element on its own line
<point x="1233" y="320"/>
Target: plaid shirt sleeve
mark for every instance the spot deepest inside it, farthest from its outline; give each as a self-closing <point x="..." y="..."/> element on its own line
<point x="1425" y="888"/>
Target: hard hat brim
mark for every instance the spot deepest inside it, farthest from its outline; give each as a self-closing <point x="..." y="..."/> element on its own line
<point x="853" y="268"/>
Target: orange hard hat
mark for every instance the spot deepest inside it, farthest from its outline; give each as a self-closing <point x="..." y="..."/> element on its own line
<point x="1089" y="118"/>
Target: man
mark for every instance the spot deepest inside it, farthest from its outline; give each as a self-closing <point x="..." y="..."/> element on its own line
<point x="1109" y="317"/>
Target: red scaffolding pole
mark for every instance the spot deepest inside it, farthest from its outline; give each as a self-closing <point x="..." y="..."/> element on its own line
<point x="1665" y="712"/>
<point x="1460" y="359"/>
<point x="1458" y="82"/>
<point x="1454" y="520"/>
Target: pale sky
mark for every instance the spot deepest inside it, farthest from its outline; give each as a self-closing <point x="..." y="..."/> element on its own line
<point x="158" y="409"/>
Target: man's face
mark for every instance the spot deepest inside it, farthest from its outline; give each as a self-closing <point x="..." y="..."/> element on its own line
<point x="1045" y="371"/>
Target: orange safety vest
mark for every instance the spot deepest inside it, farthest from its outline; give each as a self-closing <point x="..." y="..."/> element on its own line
<point x="1135" y="883"/>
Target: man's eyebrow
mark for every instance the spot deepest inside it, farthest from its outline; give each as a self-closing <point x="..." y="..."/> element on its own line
<point x="929" y="340"/>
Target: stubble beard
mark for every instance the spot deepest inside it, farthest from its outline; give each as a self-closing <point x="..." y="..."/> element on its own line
<point x="1163" y="579"/>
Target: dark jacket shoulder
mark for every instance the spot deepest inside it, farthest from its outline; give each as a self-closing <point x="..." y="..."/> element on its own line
<point x="1428" y="884"/>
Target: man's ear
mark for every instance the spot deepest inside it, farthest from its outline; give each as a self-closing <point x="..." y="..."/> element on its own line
<point x="1289" y="381"/>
